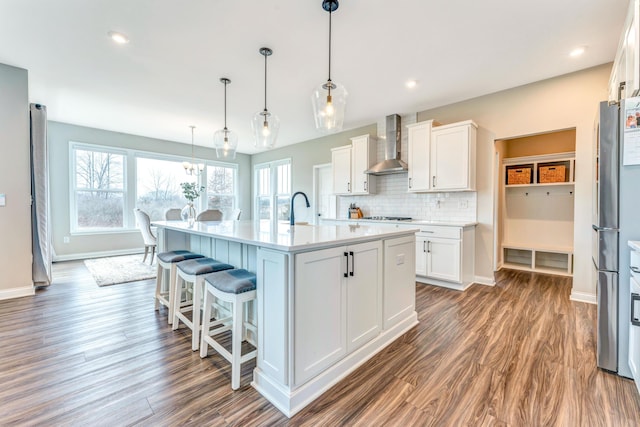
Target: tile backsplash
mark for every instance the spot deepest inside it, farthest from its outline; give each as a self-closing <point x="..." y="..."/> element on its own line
<point x="392" y="198"/>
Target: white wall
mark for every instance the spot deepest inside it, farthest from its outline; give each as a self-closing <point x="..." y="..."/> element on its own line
<point x="15" y="184"/>
<point x="564" y="102"/>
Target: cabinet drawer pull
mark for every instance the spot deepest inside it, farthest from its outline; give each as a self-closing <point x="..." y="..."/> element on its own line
<point x="634" y="317"/>
<point x="346" y="264"/>
<point x="635" y="269"/>
<point x="427" y="231"/>
<point x="353" y="264"/>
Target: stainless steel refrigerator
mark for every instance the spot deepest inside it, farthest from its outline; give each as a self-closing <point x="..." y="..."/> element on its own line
<point x="616" y="219"/>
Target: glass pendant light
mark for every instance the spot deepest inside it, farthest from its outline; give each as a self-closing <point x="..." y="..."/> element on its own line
<point x="224" y="140"/>
<point x="192" y="168"/>
<point x="330" y="98"/>
<point x="265" y="124"/>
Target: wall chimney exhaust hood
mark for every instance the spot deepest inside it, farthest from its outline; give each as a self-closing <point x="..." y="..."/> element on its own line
<point x="392" y="163"/>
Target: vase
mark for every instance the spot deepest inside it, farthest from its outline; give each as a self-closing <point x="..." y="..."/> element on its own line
<point x="188" y="214"/>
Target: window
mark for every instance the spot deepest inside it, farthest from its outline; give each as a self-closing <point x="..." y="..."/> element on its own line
<point x="104" y="195"/>
<point x="221" y="188"/>
<point x="273" y="190"/>
<point x="158" y="186"/>
<point x="99" y="189"/>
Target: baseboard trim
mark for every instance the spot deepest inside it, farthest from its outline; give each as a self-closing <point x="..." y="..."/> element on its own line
<point x="583" y="297"/>
<point x="25" y="291"/>
<point x="486" y="281"/>
<point x="102" y="254"/>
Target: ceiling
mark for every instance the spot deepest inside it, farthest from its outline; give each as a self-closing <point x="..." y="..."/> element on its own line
<point x="167" y="77"/>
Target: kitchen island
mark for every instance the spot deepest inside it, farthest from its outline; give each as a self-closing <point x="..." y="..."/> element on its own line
<point x="329" y="297"/>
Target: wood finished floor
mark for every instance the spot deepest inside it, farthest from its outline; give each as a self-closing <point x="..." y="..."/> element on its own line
<point x="517" y="354"/>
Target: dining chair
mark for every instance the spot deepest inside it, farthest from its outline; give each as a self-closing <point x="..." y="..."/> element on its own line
<point x="210" y="215"/>
<point x="173" y="214"/>
<point x="235" y="215"/>
<point x="150" y="241"/>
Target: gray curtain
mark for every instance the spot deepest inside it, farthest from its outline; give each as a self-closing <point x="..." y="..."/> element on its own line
<point x="41" y="234"/>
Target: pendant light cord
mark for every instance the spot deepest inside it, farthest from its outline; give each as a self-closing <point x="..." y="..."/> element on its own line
<point x="225" y="105"/>
<point x="330" y="11"/>
<point x="265" y="84"/>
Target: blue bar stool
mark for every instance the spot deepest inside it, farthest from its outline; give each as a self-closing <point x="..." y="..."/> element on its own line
<point x="236" y="287"/>
<point x="168" y="261"/>
<point x="192" y="272"/>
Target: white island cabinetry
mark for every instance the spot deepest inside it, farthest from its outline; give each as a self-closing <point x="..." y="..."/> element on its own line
<point x="321" y="291"/>
<point x="343" y="287"/>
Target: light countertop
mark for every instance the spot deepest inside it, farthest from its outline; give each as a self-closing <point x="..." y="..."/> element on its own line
<point x="414" y="222"/>
<point x="634" y="244"/>
<point x="281" y="236"/>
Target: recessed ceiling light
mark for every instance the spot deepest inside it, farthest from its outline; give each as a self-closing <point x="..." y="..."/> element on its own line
<point x="577" y="51"/>
<point x="411" y="83"/>
<point x="118" y="37"/>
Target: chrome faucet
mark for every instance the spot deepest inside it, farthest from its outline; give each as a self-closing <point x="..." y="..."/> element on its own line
<point x="293" y="220"/>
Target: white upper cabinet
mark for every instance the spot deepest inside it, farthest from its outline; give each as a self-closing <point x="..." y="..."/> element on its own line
<point x="418" y="156"/>
<point x="626" y="65"/>
<point x="453" y="157"/>
<point x="442" y="158"/>
<point x="341" y="166"/>
<point x="363" y="156"/>
<point x="350" y="162"/>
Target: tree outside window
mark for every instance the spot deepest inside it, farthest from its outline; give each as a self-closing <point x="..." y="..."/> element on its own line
<point x="99" y="189"/>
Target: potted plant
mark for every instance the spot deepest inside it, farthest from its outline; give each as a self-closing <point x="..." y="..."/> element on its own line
<point x="191" y="192"/>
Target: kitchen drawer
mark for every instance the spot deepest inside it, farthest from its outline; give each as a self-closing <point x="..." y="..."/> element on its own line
<point x="440" y="231"/>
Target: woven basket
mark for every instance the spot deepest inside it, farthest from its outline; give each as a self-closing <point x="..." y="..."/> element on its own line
<point x="519" y="176"/>
<point x="550" y="174"/>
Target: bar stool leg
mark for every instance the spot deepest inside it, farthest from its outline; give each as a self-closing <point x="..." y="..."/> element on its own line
<point x="236" y="344"/>
<point x="206" y="322"/>
<point x="160" y="270"/>
<point x="195" y="335"/>
<point x="173" y="272"/>
<point x="177" y="300"/>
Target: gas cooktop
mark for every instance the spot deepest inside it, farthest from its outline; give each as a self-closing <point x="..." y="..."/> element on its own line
<point x="388" y="218"/>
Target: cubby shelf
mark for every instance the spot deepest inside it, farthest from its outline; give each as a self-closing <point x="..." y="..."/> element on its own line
<point x="538" y="167"/>
<point x="538" y="216"/>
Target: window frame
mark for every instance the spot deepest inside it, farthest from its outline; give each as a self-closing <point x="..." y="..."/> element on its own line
<point x="130" y="183"/>
<point x="273" y="186"/>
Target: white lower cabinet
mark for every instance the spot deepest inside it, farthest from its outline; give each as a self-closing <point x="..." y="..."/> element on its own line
<point x="338" y="305"/>
<point x="634" y="321"/>
<point x="399" y="289"/>
<point x="443" y="259"/>
<point x="445" y="256"/>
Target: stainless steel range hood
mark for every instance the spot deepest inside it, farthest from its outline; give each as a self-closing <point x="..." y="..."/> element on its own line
<point x="392" y="162"/>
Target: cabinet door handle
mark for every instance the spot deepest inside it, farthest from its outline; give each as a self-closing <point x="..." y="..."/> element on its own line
<point x="634" y="318"/>
<point x="428" y="246"/>
<point x="353" y="263"/>
<point x="433" y="180"/>
<point x="424" y="246"/>
<point x="409" y="182"/>
<point x="635" y="269"/>
<point x="365" y="186"/>
<point x="348" y="187"/>
<point x="346" y="264"/>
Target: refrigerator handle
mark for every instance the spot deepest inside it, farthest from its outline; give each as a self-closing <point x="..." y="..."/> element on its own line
<point x="595" y="227"/>
<point x="634" y="319"/>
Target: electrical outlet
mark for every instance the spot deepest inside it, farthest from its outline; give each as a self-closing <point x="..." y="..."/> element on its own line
<point x="463" y="204"/>
<point x="65" y="239"/>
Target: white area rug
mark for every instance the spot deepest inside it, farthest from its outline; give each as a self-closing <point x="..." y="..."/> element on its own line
<point x="120" y="269"/>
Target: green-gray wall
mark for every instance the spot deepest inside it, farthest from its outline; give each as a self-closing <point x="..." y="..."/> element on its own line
<point x="15" y="184"/>
<point x="94" y="244"/>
